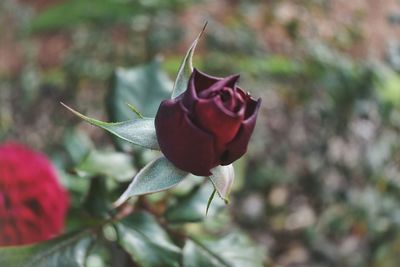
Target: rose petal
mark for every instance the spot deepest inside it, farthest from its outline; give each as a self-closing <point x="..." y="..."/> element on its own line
<point x="237" y="147"/>
<point x="203" y="81"/>
<point x="228" y="82"/>
<point x="239" y="100"/>
<point x="228" y="98"/>
<point x="251" y="106"/>
<point x="213" y="116"/>
<point x="184" y="144"/>
<point x="200" y="81"/>
<point x="2" y="201"/>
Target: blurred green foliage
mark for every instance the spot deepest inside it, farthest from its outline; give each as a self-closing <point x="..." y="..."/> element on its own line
<point x="72" y="13"/>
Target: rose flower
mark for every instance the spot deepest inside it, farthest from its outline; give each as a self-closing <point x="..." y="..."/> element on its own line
<point x="210" y="124"/>
<point x="33" y="205"/>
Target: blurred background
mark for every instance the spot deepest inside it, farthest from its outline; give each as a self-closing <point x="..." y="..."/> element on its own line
<point x="320" y="184"/>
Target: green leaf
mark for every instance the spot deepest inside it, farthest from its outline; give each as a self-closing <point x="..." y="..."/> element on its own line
<point x="158" y="175"/>
<point x="66" y="251"/>
<point x="77" y="144"/>
<point x="142" y="87"/>
<point x="111" y="164"/>
<point x="96" y="202"/>
<point x="186" y="68"/>
<point x="147" y="243"/>
<point x="222" y="178"/>
<point x="192" y="206"/>
<point x="140" y="132"/>
<point x="235" y="250"/>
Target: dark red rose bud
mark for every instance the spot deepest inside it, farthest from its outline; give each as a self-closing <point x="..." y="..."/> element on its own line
<point x="210" y="124"/>
<point x="33" y="205"/>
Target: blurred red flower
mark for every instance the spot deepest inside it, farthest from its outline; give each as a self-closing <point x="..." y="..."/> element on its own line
<point x="33" y="204"/>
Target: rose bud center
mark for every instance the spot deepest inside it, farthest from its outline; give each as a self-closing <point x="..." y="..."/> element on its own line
<point x="220" y="112"/>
